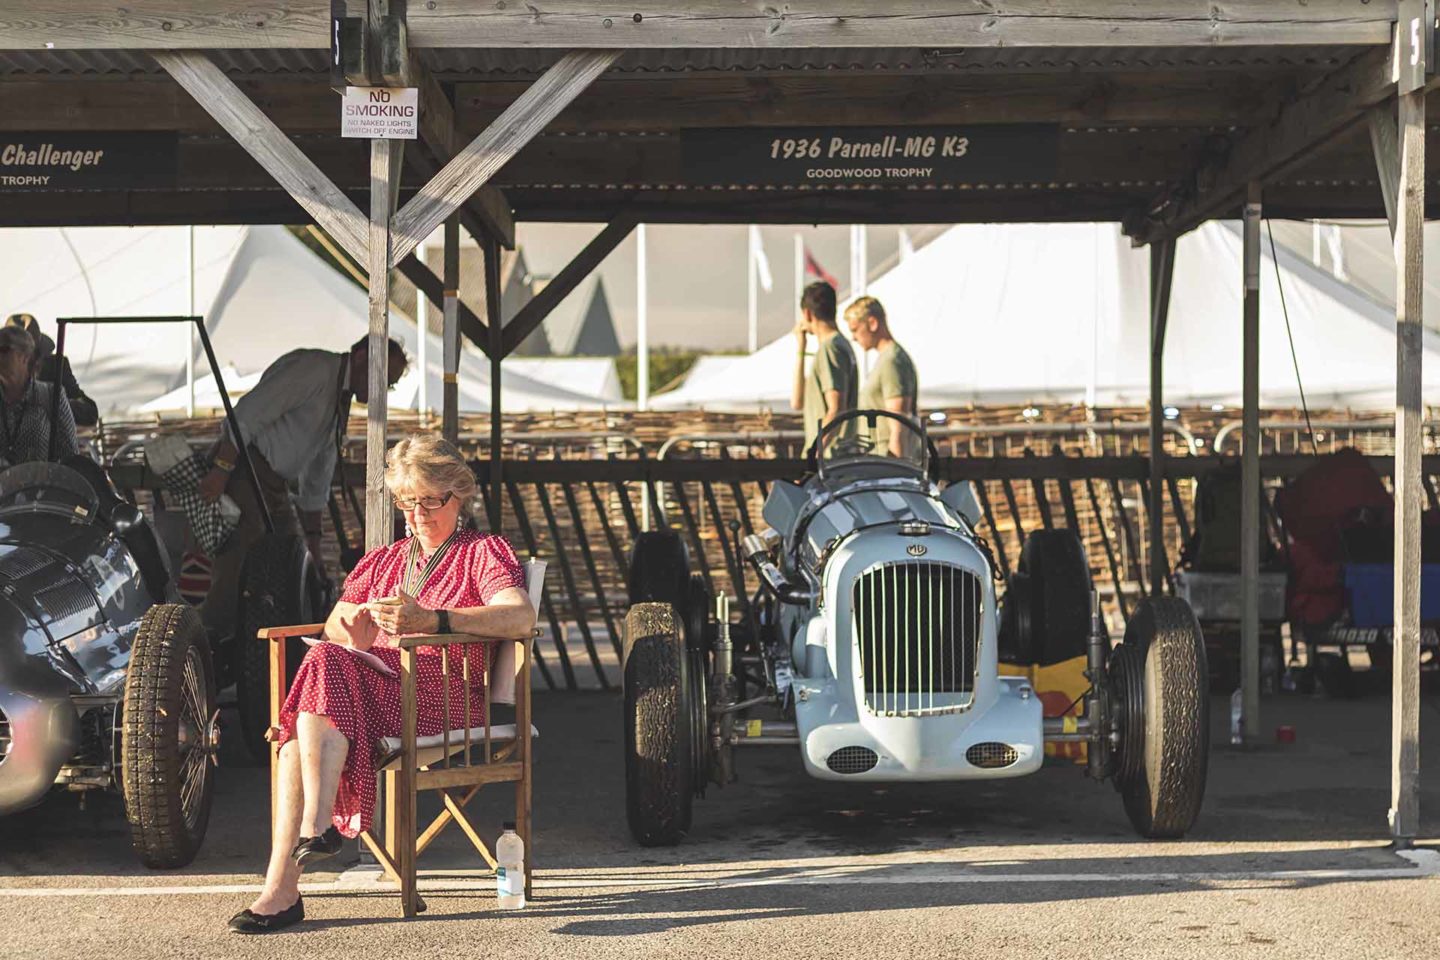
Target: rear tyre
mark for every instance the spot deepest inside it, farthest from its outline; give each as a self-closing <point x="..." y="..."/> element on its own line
<point x="279" y="586"/>
<point x="1161" y="672"/>
<point x="1046" y="615"/>
<point x="168" y="736"/>
<point x="660" y="762"/>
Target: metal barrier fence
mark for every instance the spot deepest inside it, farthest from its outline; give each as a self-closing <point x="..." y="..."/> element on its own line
<point x="583" y="515"/>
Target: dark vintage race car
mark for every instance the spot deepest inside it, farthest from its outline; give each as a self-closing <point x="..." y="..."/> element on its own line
<point x="106" y="677"/>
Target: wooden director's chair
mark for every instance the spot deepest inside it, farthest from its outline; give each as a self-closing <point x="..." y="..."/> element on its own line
<point x="444" y="762"/>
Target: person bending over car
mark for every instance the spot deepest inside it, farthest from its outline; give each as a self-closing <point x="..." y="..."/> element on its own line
<point x="294" y="421"/>
<point x="26" y="406"/>
<point x="829" y="389"/>
<point x="891" y="384"/>
<point x="448" y="579"/>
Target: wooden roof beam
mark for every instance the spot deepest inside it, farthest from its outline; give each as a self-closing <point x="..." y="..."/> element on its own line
<point x="1296" y="129"/>
<point x="571" y="24"/>
<point x="271" y="148"/>
<point x="472" y="167"/>
<point x="487" y="208"/>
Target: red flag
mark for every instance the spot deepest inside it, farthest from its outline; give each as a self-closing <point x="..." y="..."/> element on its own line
<point x="813" y="271"/>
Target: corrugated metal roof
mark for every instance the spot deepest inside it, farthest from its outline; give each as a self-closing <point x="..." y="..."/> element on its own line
<point x="477" y="62"/>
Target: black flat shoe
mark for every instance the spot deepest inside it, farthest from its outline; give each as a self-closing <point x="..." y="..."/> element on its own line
<point x="314" y="849"/>
<point x="248" y="921"/>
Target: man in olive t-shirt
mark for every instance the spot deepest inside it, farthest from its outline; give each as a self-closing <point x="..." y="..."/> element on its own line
<point x="831" y="386"/>
<point x="891" y="384"/>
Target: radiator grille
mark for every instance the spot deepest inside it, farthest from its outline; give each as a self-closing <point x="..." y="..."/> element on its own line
<point x="991" y="755"/>
<point x="917" y="631"/>
<point x="852" y="760"/>
<point x="4" y="736"/>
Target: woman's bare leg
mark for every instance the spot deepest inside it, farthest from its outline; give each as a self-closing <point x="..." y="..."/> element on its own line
<point x="323" y="750"/>
<point x="282" y="877"/>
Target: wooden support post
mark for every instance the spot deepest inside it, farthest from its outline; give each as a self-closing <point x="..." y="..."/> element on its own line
<point x="473" y="166"/>
<point x="450" y="392"/>
<point x="270" y="148"/>
<point x="1409" y="414"/>
<point x="1162" y="271"/>
<point x="1250" y="475"/>
<point x="497" y="353"/>
<point x="383" y="158"/>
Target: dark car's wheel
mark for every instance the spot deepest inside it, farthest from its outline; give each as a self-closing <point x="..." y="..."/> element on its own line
<point x="660" y="762"/>
<point x="659" y="569"/>
<point x="279" y="586"/>
<point x="1160" y="671"/>
<point x="1045" y="618"/>
<point x="168" y="736"/>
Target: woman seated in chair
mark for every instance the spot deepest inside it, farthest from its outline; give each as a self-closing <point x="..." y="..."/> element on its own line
<point x="447" y="579"/>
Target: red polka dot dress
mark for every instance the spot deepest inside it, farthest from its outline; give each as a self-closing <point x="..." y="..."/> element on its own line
<point x="363" y="703"/>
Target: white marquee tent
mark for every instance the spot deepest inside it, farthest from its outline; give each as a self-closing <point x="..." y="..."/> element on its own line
<point x="262" y="292"/>
<point x="1059" y="313"/>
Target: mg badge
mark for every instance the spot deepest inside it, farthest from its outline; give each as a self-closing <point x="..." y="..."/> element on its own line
<point x="915" y="549"/>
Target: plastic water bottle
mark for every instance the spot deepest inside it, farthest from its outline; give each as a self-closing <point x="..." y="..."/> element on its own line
<point x="1237" y="726"/>
<point x="510" y="872"/>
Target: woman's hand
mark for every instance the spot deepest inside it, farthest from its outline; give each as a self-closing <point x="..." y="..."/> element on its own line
<point x="350" y="625"/>
<point x="404" y="618"/>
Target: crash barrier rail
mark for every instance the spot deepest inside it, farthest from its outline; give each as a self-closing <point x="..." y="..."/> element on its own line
<point x="583" y="515"/>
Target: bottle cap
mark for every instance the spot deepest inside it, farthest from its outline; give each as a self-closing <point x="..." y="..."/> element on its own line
<point x="508" y="825"/>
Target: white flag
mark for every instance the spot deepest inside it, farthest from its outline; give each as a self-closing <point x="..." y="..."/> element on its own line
<point x="762" y="262"/>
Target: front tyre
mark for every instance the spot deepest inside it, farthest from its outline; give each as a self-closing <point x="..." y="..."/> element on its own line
<point x="659" y="742"/>
<point x="168" y="736"/>
<point x="1163" y="675"/>
<point x="279" y="587"/>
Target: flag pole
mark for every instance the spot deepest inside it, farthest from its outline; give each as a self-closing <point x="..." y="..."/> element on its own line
<point x="753" y="284"/>
<point x="799" y="272"/>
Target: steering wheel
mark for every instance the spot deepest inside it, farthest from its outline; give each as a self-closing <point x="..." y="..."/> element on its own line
<point x="856" y="446"/>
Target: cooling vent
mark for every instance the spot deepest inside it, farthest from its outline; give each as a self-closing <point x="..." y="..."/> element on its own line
<point x="4" y="736"/>
<point x="991" y="756"/>
<point x="852" y="760"/>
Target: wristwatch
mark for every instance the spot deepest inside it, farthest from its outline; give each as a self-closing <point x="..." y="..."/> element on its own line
<point x="442" y="618"/>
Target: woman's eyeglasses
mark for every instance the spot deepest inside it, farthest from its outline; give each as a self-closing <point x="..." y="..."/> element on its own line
<point x="429" y="503"/>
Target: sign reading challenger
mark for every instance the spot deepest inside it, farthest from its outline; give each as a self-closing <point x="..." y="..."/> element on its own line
<point x="981" y="153"/>
<point x="83" y="161"/>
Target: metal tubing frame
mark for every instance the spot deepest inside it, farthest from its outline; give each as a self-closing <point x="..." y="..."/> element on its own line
<point x="1250" y="475"/>
<point x="1162" y="273"/>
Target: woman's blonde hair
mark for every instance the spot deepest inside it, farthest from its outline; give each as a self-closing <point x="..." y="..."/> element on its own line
<point x="433" y="462"/>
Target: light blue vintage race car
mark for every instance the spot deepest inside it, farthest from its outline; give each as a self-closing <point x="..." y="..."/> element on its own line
<point x="874" y="648"/>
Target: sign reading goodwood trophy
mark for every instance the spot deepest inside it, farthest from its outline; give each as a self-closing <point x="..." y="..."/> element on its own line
<point x="825" y="156"/>
<point x="87" y="161"/>
<point x="380" y="113"/>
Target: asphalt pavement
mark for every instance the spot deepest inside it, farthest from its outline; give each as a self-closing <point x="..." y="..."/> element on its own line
<point x="1289" y="859"/>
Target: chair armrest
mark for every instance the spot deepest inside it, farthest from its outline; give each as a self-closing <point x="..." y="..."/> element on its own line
<point x="450" y="639"/>
<point x="301" y="630"/>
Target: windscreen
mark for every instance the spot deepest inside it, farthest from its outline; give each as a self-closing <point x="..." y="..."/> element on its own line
<point x="42" y="487"/>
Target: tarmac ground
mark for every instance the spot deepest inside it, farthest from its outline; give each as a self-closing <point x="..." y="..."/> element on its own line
<point x="1290" y="858"/>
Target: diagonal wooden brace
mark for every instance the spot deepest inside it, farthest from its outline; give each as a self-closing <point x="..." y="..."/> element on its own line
<point x="473" y="166"/>
<point x="270" y="148"/>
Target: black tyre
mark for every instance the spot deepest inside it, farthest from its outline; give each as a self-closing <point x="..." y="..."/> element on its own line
<point x="168" y="736"/>
<point x="279" y="586"/>
<point x="1046" y="615"/>
<point x="1161" y="672"/>
<point x="659" y="569"/>
<point x="660" y="764"/>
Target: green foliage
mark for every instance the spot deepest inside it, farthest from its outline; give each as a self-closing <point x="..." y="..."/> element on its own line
<point x="667" y="365"/>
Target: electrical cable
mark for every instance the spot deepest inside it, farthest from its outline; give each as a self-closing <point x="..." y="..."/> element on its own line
<point x="1294" y="359"/>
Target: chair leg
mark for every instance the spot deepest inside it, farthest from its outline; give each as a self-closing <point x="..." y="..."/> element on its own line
<point x="522" y="828"/>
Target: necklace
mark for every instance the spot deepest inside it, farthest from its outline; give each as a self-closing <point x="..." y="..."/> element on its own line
<point x="414" y="581"/>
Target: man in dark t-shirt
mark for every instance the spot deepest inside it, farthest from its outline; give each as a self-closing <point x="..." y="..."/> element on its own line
<point x="831" y="386"/>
